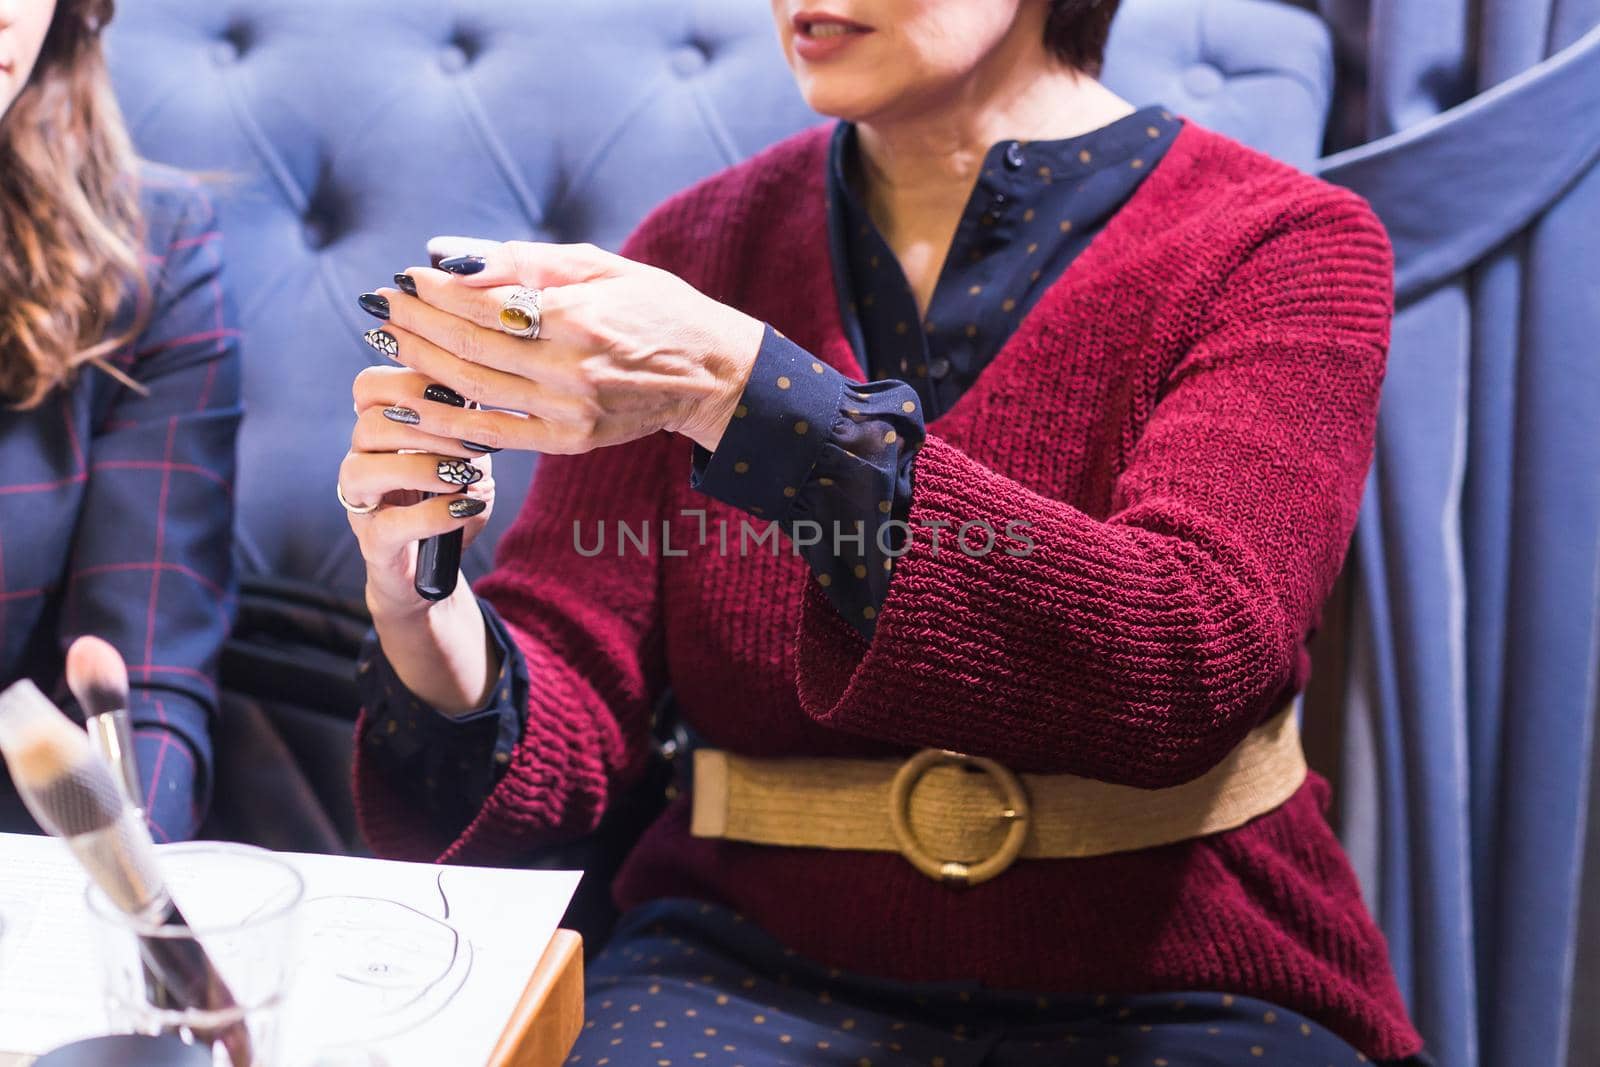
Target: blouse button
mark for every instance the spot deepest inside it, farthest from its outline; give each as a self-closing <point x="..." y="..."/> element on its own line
<point x="1014" y="156"/>
<point x="939" y="368"/>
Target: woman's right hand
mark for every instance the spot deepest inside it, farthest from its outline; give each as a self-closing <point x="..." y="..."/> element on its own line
<point x="437" y="649"/>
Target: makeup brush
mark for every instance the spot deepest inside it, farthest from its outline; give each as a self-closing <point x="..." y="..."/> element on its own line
<point x="74" y="797"/>
<point x="99" y="679"/>
<point x="72" y="794"/>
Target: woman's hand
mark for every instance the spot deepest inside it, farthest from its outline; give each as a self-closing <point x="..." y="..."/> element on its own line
<point x="624" y="350"/>
<point x="439" y="650"/>
<point x="393" y="462"/>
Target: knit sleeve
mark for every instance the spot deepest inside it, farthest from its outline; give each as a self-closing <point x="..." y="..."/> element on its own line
<point x="1141" y="647"/>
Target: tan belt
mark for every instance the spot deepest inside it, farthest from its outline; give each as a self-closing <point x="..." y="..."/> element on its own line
<point x="964" y="819"/>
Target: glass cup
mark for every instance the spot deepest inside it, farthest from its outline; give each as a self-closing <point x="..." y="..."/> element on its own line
<point x="240" y="909"/>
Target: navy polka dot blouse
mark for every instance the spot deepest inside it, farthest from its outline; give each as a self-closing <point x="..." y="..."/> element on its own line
<point x="838" y="456"/>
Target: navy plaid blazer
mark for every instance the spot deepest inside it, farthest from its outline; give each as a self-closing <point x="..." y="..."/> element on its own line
<point x="116" y="509"/>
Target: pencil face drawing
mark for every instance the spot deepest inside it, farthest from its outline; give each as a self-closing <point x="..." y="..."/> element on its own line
<point x="374" y="968"/>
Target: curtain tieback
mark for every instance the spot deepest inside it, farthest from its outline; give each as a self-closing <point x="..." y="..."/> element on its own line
<point x="964" y="819"/>
<point x="1454" y="188"/>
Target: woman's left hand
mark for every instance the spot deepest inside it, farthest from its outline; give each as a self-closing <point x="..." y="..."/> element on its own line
<point x="624" y="350"/>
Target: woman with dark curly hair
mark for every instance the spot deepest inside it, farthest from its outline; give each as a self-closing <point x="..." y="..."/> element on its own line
<point x="1063" y="410"/>
<point x="119" y="376"/>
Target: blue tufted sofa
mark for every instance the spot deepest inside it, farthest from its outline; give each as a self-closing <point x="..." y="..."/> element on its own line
<point x="339" y="136"/>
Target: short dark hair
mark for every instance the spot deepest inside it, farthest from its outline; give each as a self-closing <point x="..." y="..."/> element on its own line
<point x="1076" y="30"/>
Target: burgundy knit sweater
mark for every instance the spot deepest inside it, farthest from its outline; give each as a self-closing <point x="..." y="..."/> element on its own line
<point x="1184" y="420"/>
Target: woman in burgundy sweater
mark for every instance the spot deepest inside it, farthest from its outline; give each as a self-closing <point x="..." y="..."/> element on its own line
<point x="1128" y="368"/>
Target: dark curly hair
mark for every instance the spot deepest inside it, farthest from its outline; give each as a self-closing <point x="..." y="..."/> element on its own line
<point x="1076" y="30"/>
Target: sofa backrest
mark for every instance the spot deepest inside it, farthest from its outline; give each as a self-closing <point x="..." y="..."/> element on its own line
<point x="341" y="135"/>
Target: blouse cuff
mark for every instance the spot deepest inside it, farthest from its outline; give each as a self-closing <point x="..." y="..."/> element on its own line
<point x="830" y="460"/>
<point x="783" y="420"/>
<point x="454" y="761"/>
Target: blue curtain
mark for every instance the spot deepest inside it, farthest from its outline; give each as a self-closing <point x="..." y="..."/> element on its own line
<point x="1475" y="612"/>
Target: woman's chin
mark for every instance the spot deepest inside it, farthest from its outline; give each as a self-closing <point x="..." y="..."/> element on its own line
<point x="841" y="95"/>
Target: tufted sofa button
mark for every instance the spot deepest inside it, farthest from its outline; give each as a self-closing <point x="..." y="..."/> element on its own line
<point x="1202" y="79"/>
<point x="315" y="233"/>
<point x="230" y="47"/>
<point x="689" y="60"/>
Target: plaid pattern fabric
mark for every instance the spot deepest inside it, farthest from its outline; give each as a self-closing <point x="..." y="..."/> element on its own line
<point x="116" y="509"/>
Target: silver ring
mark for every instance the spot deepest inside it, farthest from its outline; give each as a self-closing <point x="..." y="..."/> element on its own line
<point x="520" y="315"/>
<point x="338" y="491"/>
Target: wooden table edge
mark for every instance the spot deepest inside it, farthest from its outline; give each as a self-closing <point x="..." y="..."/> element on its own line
<point x="547" y="1019"/>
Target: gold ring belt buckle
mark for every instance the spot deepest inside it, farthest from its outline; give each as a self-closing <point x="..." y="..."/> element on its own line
<point x="952" y="872"/>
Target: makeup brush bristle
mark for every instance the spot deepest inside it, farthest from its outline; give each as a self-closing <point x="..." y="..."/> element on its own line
<point x="39" y="743"/>
<point x="97" y="676"/>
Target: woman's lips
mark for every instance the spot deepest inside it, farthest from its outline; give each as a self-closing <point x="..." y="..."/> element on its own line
<point x="819" y="37"/>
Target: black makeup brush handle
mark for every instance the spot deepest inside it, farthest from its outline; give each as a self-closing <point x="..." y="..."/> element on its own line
<point x="438" y="564"/>
<point x="189" y="981"/>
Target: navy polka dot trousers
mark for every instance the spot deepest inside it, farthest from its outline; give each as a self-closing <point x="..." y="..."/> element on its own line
<point x="683" y="983"/>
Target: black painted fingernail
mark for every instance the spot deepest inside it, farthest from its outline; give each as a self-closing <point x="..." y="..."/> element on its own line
<point x="458" y="472"/>
<point x="405" y="284"/>
<point x="400" y="414"/>
<point x="466" y="507"/>
<point x="443" y="394"/>
<point x="384" y="342"/>
<point x="463" y="264"/>
<point x="374" y="305"/>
